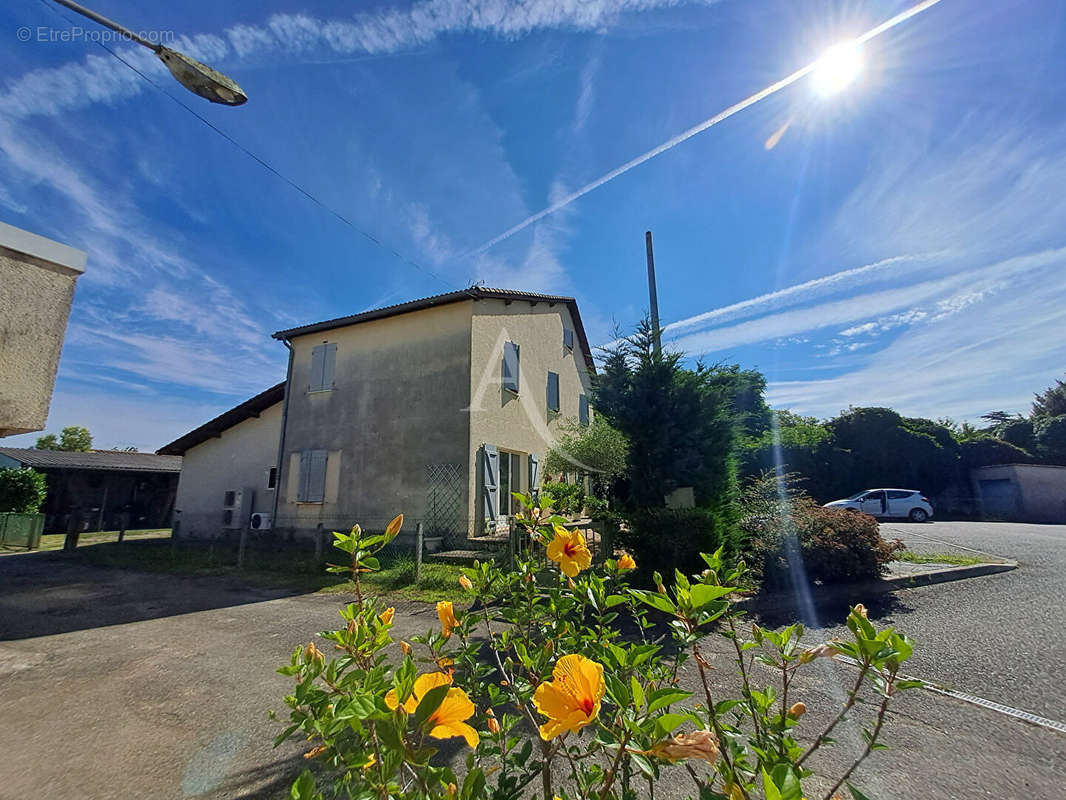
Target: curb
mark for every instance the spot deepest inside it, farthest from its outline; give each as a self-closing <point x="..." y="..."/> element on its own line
<point x="824" y="594"/>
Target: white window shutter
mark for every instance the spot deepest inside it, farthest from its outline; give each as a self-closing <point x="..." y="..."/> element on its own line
<point x="490" y="481"/>
<point x="318" y="366"/>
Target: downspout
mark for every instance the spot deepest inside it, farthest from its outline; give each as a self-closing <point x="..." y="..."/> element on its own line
<point x="281" y="439"/>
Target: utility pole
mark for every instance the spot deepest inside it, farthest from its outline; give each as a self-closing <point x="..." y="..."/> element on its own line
<point x="653" y="295"/>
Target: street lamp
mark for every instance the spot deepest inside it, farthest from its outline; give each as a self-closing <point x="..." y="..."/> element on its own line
<point x="196" y="77"/>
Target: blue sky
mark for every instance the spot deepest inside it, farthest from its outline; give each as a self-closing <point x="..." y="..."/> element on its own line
<point x="902" y="243"/>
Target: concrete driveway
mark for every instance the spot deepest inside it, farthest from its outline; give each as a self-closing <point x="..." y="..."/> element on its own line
<point x="126" y="685"/>
<point x="119" y="684"/>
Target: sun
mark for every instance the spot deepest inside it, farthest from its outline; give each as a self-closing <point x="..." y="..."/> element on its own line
<point x="838" y="68"/>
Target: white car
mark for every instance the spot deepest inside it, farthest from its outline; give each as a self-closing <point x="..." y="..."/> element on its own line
<point x="902" y="503"/>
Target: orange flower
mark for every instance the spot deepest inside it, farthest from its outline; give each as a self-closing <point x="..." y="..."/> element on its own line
<point x="569" y="551"/>
<point x="465" y="582"/>
<point x="493" y="723"/>
<point x="449" y="720"/>
<point x="698" y="744"/>
<point x="446" y="615"/>
<point x="860" y="609"/>
<point x="572" y="700"/>
<point x="387" y="615"/>
<point x="406" y="648"/>
<point x="393" y="527"/>
<point x="626" y="562"/>
<point x="797" y="710"/>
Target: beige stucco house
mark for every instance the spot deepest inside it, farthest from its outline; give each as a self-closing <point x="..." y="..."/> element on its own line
<point x="438" y="408"/>
<point x="37" y="277"/>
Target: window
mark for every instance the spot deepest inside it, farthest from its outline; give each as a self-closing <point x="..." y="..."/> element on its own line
<point x="568" y="339"/>
<point x="323" y="361"/>
<point x="553" y="391"/>
<point x="312" y="487"/>
<point x="510" y="481"/>
<point x="229" y="499"/>
<point x="898" y="495"/>
<point x="510" y="367"/>
<point x="583" y="409"/>
<point x="272" y="478"/>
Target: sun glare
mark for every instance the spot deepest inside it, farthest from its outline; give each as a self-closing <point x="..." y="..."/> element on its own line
<point x="838" y="67"/>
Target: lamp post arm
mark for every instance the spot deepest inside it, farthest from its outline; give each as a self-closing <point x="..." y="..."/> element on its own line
<point x="107" y="23"/>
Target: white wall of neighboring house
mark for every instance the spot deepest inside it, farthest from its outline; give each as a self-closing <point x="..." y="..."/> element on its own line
<point x="239" y="458"/>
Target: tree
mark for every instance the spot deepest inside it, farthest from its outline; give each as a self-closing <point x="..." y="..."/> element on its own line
<point x="73" y="439"/>
<point x="679" y="422"/>
<point x="1050" y="435"/>
<point x="596" y="448"/>
<point x="1052" y="403"/>
<point x="22" y="490"/>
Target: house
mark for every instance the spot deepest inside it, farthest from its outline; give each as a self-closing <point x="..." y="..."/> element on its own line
<point x="1021" y="492"/>
<point x="439" y="408"/>
<point x="37" y="278"/>
<point x="101" y="490"/>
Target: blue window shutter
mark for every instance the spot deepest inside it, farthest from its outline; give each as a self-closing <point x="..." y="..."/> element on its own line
<point x="329" y="363"/>
<point x="510" y="367"/>
<point x="318" y="366"/>
<point x="534" y="473"/>
<point x="490" y="481"/>
<point x="553" y="391"/>
<point x="583" y="409"/>
<point x="316" y="482"/>
<point x="305" y="476"/>
<point x="568" y="339"/>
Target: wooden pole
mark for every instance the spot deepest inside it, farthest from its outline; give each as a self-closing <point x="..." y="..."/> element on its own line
<point x="241" y="546"/>
<point x="418" y="552"/>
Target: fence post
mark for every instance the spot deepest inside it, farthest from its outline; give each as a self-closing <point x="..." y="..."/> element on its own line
<point x="240" y="547"/>
<point x="418" y="553"/>
<point x="71" y="542"/>
<point x="124" y="521"/>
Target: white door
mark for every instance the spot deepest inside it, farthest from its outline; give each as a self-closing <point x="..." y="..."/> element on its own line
<point x="874" y="503"/>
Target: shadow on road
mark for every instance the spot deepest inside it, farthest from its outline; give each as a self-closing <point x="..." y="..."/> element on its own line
<point x="46" y="593"/>
<point x="774" y="612"/>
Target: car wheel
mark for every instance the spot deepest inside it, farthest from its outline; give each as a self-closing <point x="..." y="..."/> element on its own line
<point x="918" y="515"/>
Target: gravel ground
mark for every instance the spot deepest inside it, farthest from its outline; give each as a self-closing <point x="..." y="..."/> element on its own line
<point x="120" y="684"/>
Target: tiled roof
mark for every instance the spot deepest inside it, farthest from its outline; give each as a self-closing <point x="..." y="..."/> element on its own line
<point x="110" y="460"/>
<point x="473" y="293"/>
<point x="249" y="408"/>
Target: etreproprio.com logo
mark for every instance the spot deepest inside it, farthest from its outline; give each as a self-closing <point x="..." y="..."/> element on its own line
<point x="76" y="33"/>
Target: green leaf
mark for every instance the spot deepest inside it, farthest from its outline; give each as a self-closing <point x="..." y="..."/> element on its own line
<point x="702" y="594"/>
<point x="430" y="702"/>
<point x="655" y="600"/>
<point x="856" y="794"/>
<point x="637" y="691"/>
<point x="303" y="788"/>
<point x="668" y="723"/>
<point x="661" y="698"/>
<point x="770" y="788"/>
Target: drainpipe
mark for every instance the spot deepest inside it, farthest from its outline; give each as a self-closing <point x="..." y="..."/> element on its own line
<point x="281" y="439"/>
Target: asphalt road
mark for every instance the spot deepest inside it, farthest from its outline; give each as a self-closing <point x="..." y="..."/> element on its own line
<point x="1002" y="636"/>
<point x="119" y="684"/>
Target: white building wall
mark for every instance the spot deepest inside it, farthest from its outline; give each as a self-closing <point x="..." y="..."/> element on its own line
<point x="240" y="458"/>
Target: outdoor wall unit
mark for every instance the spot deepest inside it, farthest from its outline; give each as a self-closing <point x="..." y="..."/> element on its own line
<point x="237" y="508"/>
<point x="37" y="278"/>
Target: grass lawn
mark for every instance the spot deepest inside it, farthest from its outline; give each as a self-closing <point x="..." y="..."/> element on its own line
<point x="290" y="570"/>
<point x="940" y="558"/>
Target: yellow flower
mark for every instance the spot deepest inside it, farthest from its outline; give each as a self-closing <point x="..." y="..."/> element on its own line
<point x="315" y="752"/>
<point x="626" y="562"/>
<point x="860" y="609"/>
<point x="493" y="723"/>
<point x="406" y="648"/>
<point x="448" y="720"/>
<point x="734" y="791"/>
<point x="697" y="744"/>
<point x="572" y="700"/>
<point x="797" y="710"/>
<point x="387" y="615"/>
<point x="371" y="760"/>
<point x="313" y="652"/>
<point x="446" y="615"/>
<point x="465" y="582"/>
<point x="568" y="549"/>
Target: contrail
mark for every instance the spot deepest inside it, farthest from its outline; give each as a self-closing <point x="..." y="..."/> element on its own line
<point x="669" y="144"/>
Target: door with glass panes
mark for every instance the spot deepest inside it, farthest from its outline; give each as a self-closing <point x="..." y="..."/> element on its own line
<point x="511" y="480"/>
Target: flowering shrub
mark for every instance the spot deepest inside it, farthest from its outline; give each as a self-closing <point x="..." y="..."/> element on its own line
<point x="541" y="694"/>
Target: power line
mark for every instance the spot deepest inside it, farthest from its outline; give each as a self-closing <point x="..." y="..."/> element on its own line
<point x="266" y="165"/>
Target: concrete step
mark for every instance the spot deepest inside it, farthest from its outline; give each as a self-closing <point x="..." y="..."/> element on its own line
<point x="462" y="557"/>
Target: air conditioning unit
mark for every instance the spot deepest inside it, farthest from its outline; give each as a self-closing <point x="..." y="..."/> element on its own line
<point x="236" y="505"/>
<point x="260" y="521"/>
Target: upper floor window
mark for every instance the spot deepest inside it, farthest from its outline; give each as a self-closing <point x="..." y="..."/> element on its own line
<point x="323" y="362"/>
<point x="583" y="409"/>
<point x="510" y="367"/>
<point x="568" y="339"/>
<point x="553" y="391"/>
